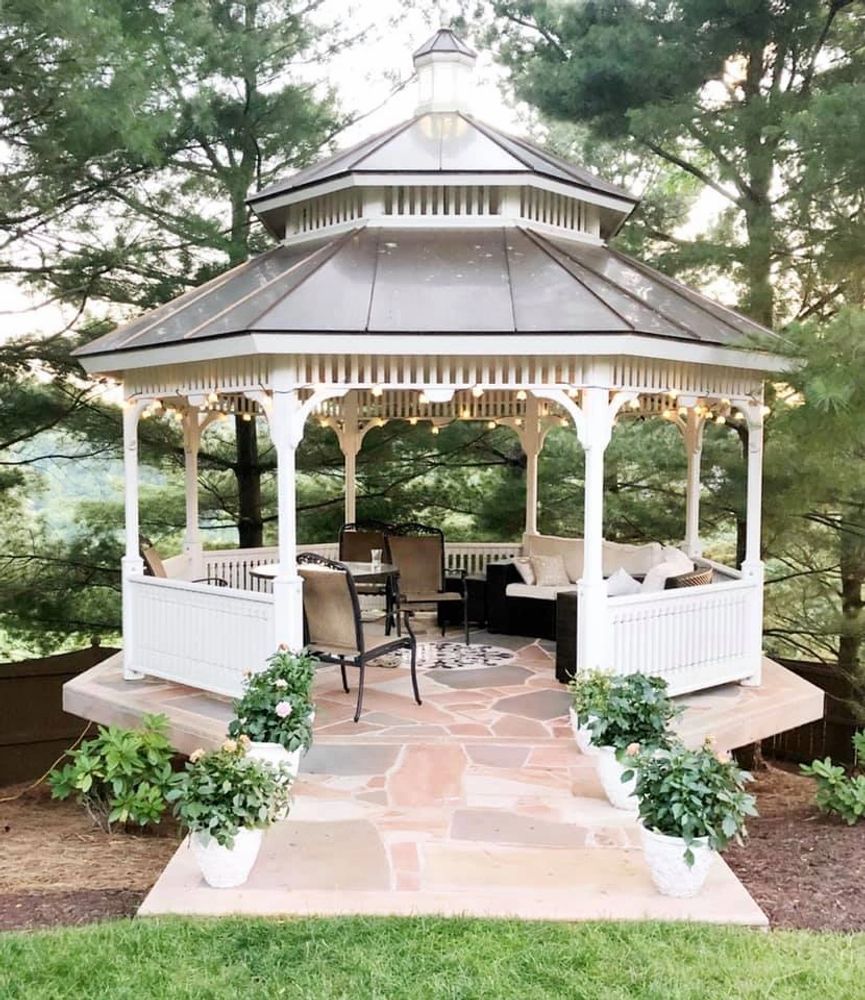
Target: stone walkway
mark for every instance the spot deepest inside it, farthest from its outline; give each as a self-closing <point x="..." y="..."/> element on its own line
<point x="477" y="802"/>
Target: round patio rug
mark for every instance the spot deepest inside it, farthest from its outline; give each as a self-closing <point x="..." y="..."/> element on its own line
<point x="447" y="656"/>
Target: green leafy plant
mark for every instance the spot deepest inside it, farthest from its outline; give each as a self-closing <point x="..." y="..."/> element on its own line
<point x="692" y="794"/>
<point x="223" y="791"/>
<point x="633" y="709"/>
<point x="589" y="693"/>
<point x="276" y="705"/>
<point x="121" y="776"/>
<point x="839" y="793"/>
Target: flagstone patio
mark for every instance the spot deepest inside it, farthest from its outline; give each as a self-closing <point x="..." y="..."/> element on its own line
<point x="478" y="802"/>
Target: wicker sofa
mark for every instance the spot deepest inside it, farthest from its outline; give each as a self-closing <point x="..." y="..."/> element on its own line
<point x="515" y="607"/>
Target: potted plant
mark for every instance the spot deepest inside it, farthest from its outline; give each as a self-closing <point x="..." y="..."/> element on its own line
<point x="692" y="803"/>
<point x="275" y="711"/>
<point x="636" y="713"/>
<point x="589" y="692"/>
<point x="225" y="801"/>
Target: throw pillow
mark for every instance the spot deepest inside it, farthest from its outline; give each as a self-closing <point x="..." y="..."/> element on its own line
<point x="524" y="568"/>
<point x="678" y="558"/>
<point x="550" y="571"/>
<point x="622" y="583"/>
<point x="656" y="578"/>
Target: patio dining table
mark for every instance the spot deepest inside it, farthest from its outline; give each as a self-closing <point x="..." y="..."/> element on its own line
<point x="359" y="570"/>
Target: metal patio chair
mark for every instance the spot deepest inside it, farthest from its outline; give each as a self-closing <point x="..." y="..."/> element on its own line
<point x="418" y="552"/>
<point x="357" y="539"/>
<point x="333" y="627"/>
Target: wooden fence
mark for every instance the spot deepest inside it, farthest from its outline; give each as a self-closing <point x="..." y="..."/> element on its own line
<point x="34" y="729"/>
<point x="827" y="737"/>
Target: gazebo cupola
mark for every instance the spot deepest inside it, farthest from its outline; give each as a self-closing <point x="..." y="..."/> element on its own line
<point x="442" y="270"/>
<point x="443" y="166"/>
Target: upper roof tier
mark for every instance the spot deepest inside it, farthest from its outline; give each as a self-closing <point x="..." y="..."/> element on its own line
<point x="442" y="146"/>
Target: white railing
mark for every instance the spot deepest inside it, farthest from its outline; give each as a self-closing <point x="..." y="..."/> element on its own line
<point x="693" y="637"/>
<point x="198" y="635"/>
<point x="474" y="556"/>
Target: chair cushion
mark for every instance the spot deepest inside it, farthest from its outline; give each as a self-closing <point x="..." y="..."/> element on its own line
<point x="538" y="593"/>
<point x="550" y="571"/>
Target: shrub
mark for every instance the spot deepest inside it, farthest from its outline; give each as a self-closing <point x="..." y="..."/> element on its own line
<point x="590" y="692"/>
<point x="839" y="793"/>
<point x="276" y="706"/>
<point x="122" y="775"/>
<point x="635" y="709"/>
<point x="223" y="791"/>
<point x="692" y="794"/>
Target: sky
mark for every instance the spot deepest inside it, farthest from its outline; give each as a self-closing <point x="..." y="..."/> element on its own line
<point x="364" y="77"/>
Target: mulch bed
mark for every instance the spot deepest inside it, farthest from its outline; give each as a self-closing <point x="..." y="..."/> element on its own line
<point x="31" y="910"/>
<point x="805" y="870"/>
<point x="57" y="867"/>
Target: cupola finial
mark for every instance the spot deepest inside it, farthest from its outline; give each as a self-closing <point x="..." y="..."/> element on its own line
<point x="445" y="66"/>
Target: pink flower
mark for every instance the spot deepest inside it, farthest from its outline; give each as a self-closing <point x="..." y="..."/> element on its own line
<point x="722" y="757"/>
<point x="632" y="750"/>
<point x="283" y="647"/>
<point x="283" y="709"/>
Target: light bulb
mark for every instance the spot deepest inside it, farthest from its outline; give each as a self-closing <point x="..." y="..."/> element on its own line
<point x="423" y="399"/>
<point x="413" y="421"/>
<point x="491" y="425"/>
<point x="477" y="392"/>
<point x="376" y="391"/>
<point x="573" y="393"/>
<point x="465" y="413"/>
<point x="519" y="421"/>
<point x="247" y="417"/>
<point x="434" y="429"/>
<point x="212" y="397"/>
<point x="635" y="403"/>
<point x="522" y="394"/>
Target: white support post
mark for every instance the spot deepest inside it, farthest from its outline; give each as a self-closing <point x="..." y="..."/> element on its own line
<point x="287" y="417"/>
<point x="132" y="564"/>
<point x="752" y="567"/>
<point x="192" y="429"/>
<point x="349" y="443"/>
<point x="530" y="439"/>
<point x="692" y="432"/>
<point x="592" y="632"/>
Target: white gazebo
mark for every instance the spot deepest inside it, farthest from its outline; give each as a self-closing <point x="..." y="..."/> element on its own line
<point x="440" y="271"/>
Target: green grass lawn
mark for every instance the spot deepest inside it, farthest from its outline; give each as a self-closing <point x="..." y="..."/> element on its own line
<point x="421" y="958"/>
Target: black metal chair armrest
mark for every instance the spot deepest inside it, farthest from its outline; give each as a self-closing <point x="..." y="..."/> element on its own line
<point x="217" y="580"/>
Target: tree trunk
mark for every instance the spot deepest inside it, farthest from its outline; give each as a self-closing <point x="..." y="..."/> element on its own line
<point x="250" y="526"/>
<point x="852" y="559"/>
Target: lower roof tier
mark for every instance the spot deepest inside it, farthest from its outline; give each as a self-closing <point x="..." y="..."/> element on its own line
<point x="501" y="281"/>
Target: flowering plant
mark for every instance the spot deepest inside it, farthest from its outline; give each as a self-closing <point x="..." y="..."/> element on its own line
<point x="223" y="791"/>
<point x="692" y="794"/>
<point x="276" y="706"/>
<point x="634" y="709"/>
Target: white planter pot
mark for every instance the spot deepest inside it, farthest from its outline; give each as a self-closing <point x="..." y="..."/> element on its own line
<point x="665" y="857"/>
<point x="226" y="867"/>
<point x="276" y="754"/>
<point x="582" y="734"/>
<point x="620" y="793"/>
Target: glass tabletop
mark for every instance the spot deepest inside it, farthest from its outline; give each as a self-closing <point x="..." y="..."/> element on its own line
<point x="359" y="570"/>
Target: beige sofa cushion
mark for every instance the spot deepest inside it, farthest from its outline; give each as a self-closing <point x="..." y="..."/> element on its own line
<point x="634" y="559"/>
<point x="570" y="549"/>
<point x="550" y="571"/>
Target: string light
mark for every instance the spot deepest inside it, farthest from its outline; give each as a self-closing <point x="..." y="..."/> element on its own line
<point x="376" y="391"/>
<point x="573" y="393"/>
<point x="519" y="421"/>
<point x="477" y="392"/>
<point x="212" y="397"/>
<point x="434" y="429"/>
<point x="491" y="425"/>
<point x="465" y="413"/>
<point x="423" y="399"/>
<point x="635" y="403"/>
<point x="247" y="417"/>
<point x="522" y="394"/>
<point x="413" y="421"/>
